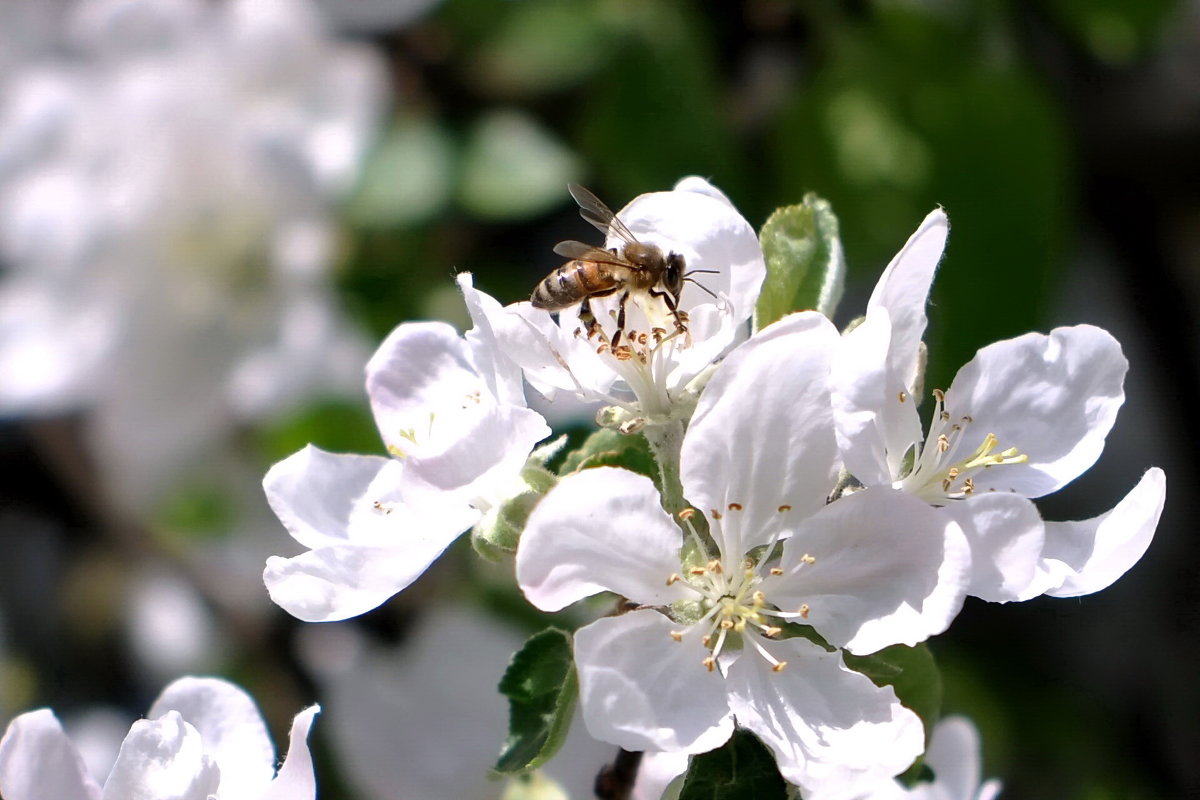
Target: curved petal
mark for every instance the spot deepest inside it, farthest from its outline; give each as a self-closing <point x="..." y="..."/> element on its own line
<point x="876" y="418"/>
<point x="499" y="372"/>
<point x="423" y="388"/>
<point x="827" y="725"/>
<point x="343" y="581"/>
<point x="642" y="690"/>
<point x="296" y="779"/>
<point x="599" y="529"/>
<point x="903" y="289"/>
<point x="1006" y="535"/>
<point x="38" y="761"/>
<point x="314" y="492"/>
<point x="163" y="758"/>
<point x="954" y="757"/>
<point x="1053" y="397"/>
<point x="762" y="437"/>
<point x="230" y="727"/>
<point x="886" y="569"/>
<point x="1102" y="549"/>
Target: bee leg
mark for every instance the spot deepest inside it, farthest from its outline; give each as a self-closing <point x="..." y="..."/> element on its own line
<point x="588" y="319"/>
<point x="673" y="307"/>
<point x="620" y="321"/>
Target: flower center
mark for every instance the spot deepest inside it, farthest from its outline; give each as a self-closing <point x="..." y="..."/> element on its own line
<point x="938" y="473"/>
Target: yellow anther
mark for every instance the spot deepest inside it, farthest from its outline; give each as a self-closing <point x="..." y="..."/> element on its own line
<point x="715" y="566"/>
<point x="807" y="559"/>
<point x="776" y="571"/>
<point x="939" y="395"/>
<point x="707" y="640"/>
<point x="779" y="667"/>
<point x="804" y="611"/>
<point x="770" y="631"/>
<point x="716" y="514"/>
<point x="740" y="625"/>
<point x="687" y="513"/>
<point x="783" y="508"/>
<point x="726" y="624"/>
<point x="709" y="663"/>
<point x="735" y="506"/>
<point x="943" y="443"/>
<point x="675" y="578"/>
<point x="677" y="635"/>
<point x="902" y="396"/>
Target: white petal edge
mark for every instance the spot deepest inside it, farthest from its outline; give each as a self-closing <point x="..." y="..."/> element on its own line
<point x="642" y="690"/>
<point x="230" y="726"/>
<point x="1102" y="549"/>
<point x="39" y="762"/>
<point x="828" y="725"/>
<point x="1006" y="535"/>
<point x="296" y="779"/>
<point x="601" y="529"/>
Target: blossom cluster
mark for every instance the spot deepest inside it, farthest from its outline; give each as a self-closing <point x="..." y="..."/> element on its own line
<point x="801" y="512"/>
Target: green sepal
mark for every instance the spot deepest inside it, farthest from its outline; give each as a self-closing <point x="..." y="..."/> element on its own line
<point x="498" y="533"/>
<point x="609" y="448"/>
<point x="913" y="674"/>
<point x="541" y="686"/>
<point x="741" y="768"/>
<point x="806" y="268"/>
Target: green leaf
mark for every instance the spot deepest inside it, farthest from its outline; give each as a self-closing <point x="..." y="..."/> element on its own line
<point x="806" y="268"/>
<point x="610" y="448"/>
<point x="911" y="671"/>
<point x="541" y="686"/>
<point x="515" y="169"/>
<point x="742" y="768"/>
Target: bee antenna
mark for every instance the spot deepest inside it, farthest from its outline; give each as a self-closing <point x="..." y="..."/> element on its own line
<point x="702" y="272"/>
<point x="701" y="285"/>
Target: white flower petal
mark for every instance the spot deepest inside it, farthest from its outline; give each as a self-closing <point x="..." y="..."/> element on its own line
<point x="887" y="569"/>
<point x="953" y="755"/>
<point x="499" y="372"/>
<point x="343" y="581"/>
<point x="1052" y="397"/>
<point x="903" y="289"/>
<point x="38" y="761"/>
<point x="762" y="436"/>
<point x="599" y="529"/>
<point x="1006" y="535"/>
<point x="866" y="399"/>
<point x="642" y="690"/>
<point x="423" y="388"/>
<point x="1100" y="550"/>
<point x="826" y="724"/>
<point x="296" y="779"/>
<point x="163" y="759"/>
<point x="231" y="729"/>
<point x="314" y="492"/>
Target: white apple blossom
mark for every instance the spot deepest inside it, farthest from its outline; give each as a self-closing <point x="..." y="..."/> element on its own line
<point x="649" y="374"/>
<point x="1022" y="419"/>
<point x="953" y="755"/>
<point x="167" y="171"/>
<point x="701" y="654"/>
<point x="451" y="411"/>
<point x="203" y="739"/>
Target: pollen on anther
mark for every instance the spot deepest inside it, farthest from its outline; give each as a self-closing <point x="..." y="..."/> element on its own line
<point x="687" y="514"/>
<point x="784" y="508"/>
<point x="726" y="624"/>
<point x="807" y="559"/>
<point x="779" y="667"/>
<point x="902" y="396"/>
<point x="943" y="443"/>
<point x="939" y="395"/>
<point x="378" y="506"/>
<point x="709" y="663"/>
<point x="697" y="571"/>
<point x="776" y="571"/>
<point x="715" y="566"/>
<point x="715" y="514"/>
<point x="677" y="635"/>
<point x="804" y="609"/>
<point x="771" y="631"/>
<point x="735" y="506"/>
<point x="674" y="578"/>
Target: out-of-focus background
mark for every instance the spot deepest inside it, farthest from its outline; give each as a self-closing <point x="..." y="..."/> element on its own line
<point x="210" y="212"/>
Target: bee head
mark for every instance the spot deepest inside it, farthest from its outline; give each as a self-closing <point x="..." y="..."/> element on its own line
<point x="673" y="275"/>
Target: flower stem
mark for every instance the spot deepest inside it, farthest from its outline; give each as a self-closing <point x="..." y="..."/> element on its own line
<point x="665" y="440"/>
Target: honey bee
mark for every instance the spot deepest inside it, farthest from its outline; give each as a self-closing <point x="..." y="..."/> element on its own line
<point x="635" y="270"/>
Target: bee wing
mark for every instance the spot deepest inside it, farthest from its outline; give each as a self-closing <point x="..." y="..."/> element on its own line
<point x="586" y="252"/>
<point x="592" y="209"/>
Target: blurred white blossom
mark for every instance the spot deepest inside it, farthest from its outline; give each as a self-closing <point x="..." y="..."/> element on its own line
<point x="202" y="738"/>
<point x="167" y="173"/>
